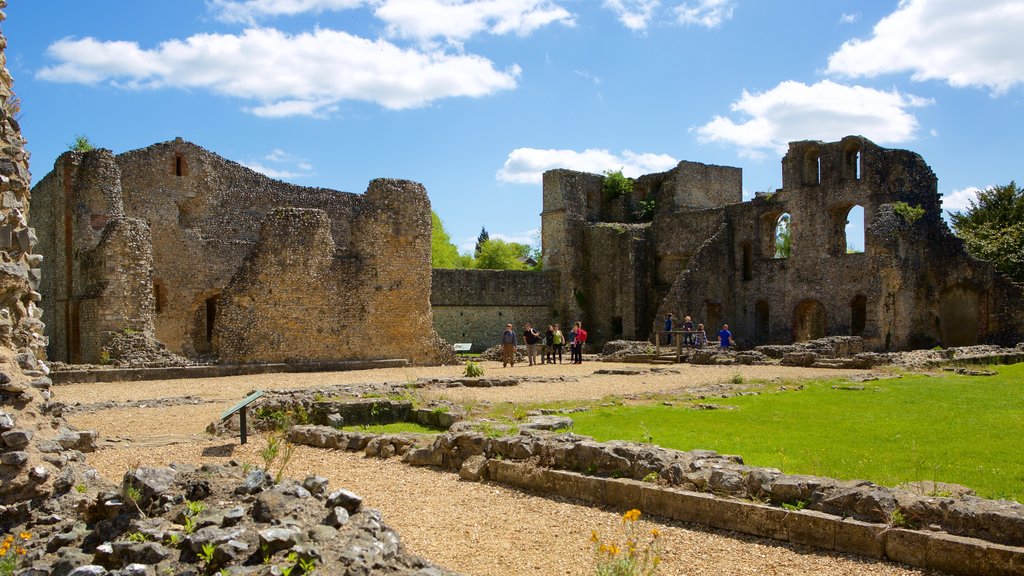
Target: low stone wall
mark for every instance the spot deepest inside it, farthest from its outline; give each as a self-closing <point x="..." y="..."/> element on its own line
<point x="215" y="371"/>
<point x="962" y="535"/>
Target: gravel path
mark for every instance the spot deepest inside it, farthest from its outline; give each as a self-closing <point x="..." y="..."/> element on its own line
<point x="475" y="528"/>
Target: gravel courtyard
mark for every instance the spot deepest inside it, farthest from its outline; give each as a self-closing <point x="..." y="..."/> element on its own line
<point x="475" y="528"/>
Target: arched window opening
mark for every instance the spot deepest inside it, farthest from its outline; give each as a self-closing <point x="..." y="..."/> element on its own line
<point x="812" y="167"/>
<point x="783" y="234"/>
<point x="858" y="315"/>
<point x="851" y="164"/>
<point x="761" y="318"/>
<point x="748" y="262"/>
<point x="854" y="231"/>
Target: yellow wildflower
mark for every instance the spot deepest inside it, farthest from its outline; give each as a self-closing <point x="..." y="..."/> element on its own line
<point x="593" y="536"/>
<point x="655" y="532"/>
<point x="25" y="535"/>
<point x="631" y="516"/>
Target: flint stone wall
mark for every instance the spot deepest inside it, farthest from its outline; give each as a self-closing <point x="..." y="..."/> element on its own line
<point x="962" y="535"/>
<point x="363" y="294"/>
<point x="473" y="306"/>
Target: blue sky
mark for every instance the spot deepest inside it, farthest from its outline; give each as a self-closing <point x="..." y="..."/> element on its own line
<point x="476" y="98"/>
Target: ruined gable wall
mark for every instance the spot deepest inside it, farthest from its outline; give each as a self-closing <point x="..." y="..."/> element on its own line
<point x="473" y="306"/>
<point x="208" y="210"/>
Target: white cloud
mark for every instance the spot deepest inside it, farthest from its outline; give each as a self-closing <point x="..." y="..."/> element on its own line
<point x="527" y="165"/>
<point x="459" y="20"/>
<point x="823" y="111"/>
<point x="707" y="13"/>
<point x="959" y="200"/>
<point x="286" y="75"/>
<point x="633" y="14"/>
<point x="849" y="18"/>
<point x="962" y="42"/>
<point x="249" y="10"/>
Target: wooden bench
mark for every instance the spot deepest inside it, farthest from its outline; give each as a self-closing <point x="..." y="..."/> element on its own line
<point x="462" y="347"/>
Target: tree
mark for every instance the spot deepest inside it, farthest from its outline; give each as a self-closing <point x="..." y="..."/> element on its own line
<point x="992" y="228"/>
<point x="497" y="254"/>
<point x="80" y="144"/>
<point x="443" y="253"/>
<point x="480" y="240"/>
<point x="783" y="237"/>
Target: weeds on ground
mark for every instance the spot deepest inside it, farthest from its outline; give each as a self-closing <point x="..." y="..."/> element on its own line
<point x="636" y="551"/>
<point x="12" y="551"/>
<point x="473" y="369"/>
<point x="737" y="378"/>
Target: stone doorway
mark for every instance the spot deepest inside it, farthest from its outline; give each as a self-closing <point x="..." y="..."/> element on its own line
<point x="809" y="321"/>
<point x="958" y="316"/>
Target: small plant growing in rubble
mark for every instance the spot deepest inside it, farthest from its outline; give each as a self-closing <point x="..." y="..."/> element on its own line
<point x="636" y="551"/>
<point x="104" y="358"/>
<point x="473" y="369"/>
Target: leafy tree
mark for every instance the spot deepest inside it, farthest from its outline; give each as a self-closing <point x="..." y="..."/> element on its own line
<point x="992" y="228"/>
<point x="480" y="240"/>
<point x="443" y="253"/>
<point x="81" y="144"/>
<point x="497" y="254"/>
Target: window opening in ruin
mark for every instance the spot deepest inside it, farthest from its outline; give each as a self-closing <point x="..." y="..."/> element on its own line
<point x="851" y="164"/>
<point x="783" y="236"/>
<point x="159" y="296"/>
<point x="748" y="262"/>
<point x="211" y="316"/>
<point x="761" y="318"/>
<point x="855" y="230"/>
<point x="179" y="165"/>
<point x="617" y="325"/>
<point x="809" y="321"/>
<point x="812" y="168"/>
<point x="858" y="315"/>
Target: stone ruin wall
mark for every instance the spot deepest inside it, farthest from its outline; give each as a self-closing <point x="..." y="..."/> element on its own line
<point x="473" y="306"/>
<point x="914" y="286"/>
<point x="207" y="219"/>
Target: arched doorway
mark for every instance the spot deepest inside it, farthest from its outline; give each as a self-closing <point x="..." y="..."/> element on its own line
<point x="809" y="321"/>
<point x="858" y="315"/>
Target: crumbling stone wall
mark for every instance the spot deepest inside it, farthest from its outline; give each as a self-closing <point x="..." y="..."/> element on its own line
<point x="913" y="286"/>
<point x="473" y="306"/>
<point x="205" y="217"/>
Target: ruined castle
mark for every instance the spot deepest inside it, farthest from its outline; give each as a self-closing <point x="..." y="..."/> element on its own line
<point x="705" y="252"/>
<point x="176" y="245"/>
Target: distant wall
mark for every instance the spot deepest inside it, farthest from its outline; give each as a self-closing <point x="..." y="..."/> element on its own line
<point x="474" y="305"/>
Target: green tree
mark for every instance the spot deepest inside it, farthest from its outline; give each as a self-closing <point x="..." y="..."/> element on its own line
<point x="783" y="237"/>
<point x="992" y="228"/>
<point x="81" y="144"/>
<point x="443" y="253"/>
<point x="480" y="240"/>
<point x="615" y="184"/>
<point x="497" y="254"/>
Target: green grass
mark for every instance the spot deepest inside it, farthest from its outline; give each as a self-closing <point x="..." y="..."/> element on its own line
<point x="396" y="428"/>
<point x="961" y="429"/>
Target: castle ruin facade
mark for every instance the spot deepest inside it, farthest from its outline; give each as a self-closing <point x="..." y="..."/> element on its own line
<point x="174" y="244"/>
<point x="706" y="253"/>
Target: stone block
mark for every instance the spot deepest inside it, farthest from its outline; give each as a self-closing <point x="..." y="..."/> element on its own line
<point x="6" y="236"/>
<point x="677" y="505"/>
<point x="624" y="493"/>
<point x="906" y="546"/>
<point x="812" y="528"/>
<point x="503" y="471"/>
<point x="861" y="538"/>
<point x="16" y="439"/>
<point x="474" y="468"/>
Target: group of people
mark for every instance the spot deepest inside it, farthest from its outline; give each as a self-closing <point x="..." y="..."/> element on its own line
<point x="548" y="345"/>
<point x="697" y="338"/>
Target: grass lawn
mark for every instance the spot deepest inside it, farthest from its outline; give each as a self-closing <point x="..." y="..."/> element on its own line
<point x="396" y="428"/>
<point x="962" y="429"/>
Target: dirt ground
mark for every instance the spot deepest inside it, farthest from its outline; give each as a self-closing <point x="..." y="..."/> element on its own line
<point x="474" y="528"/>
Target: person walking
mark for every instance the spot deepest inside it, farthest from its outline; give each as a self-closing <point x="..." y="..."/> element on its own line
<point x="668" y="328"/>
<point x="558" y="342"/>
<point x="725" y="338"/>
<point x="579" y="342"/>
<point x="508" y="346"/>
<point x="531" y="338"/>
